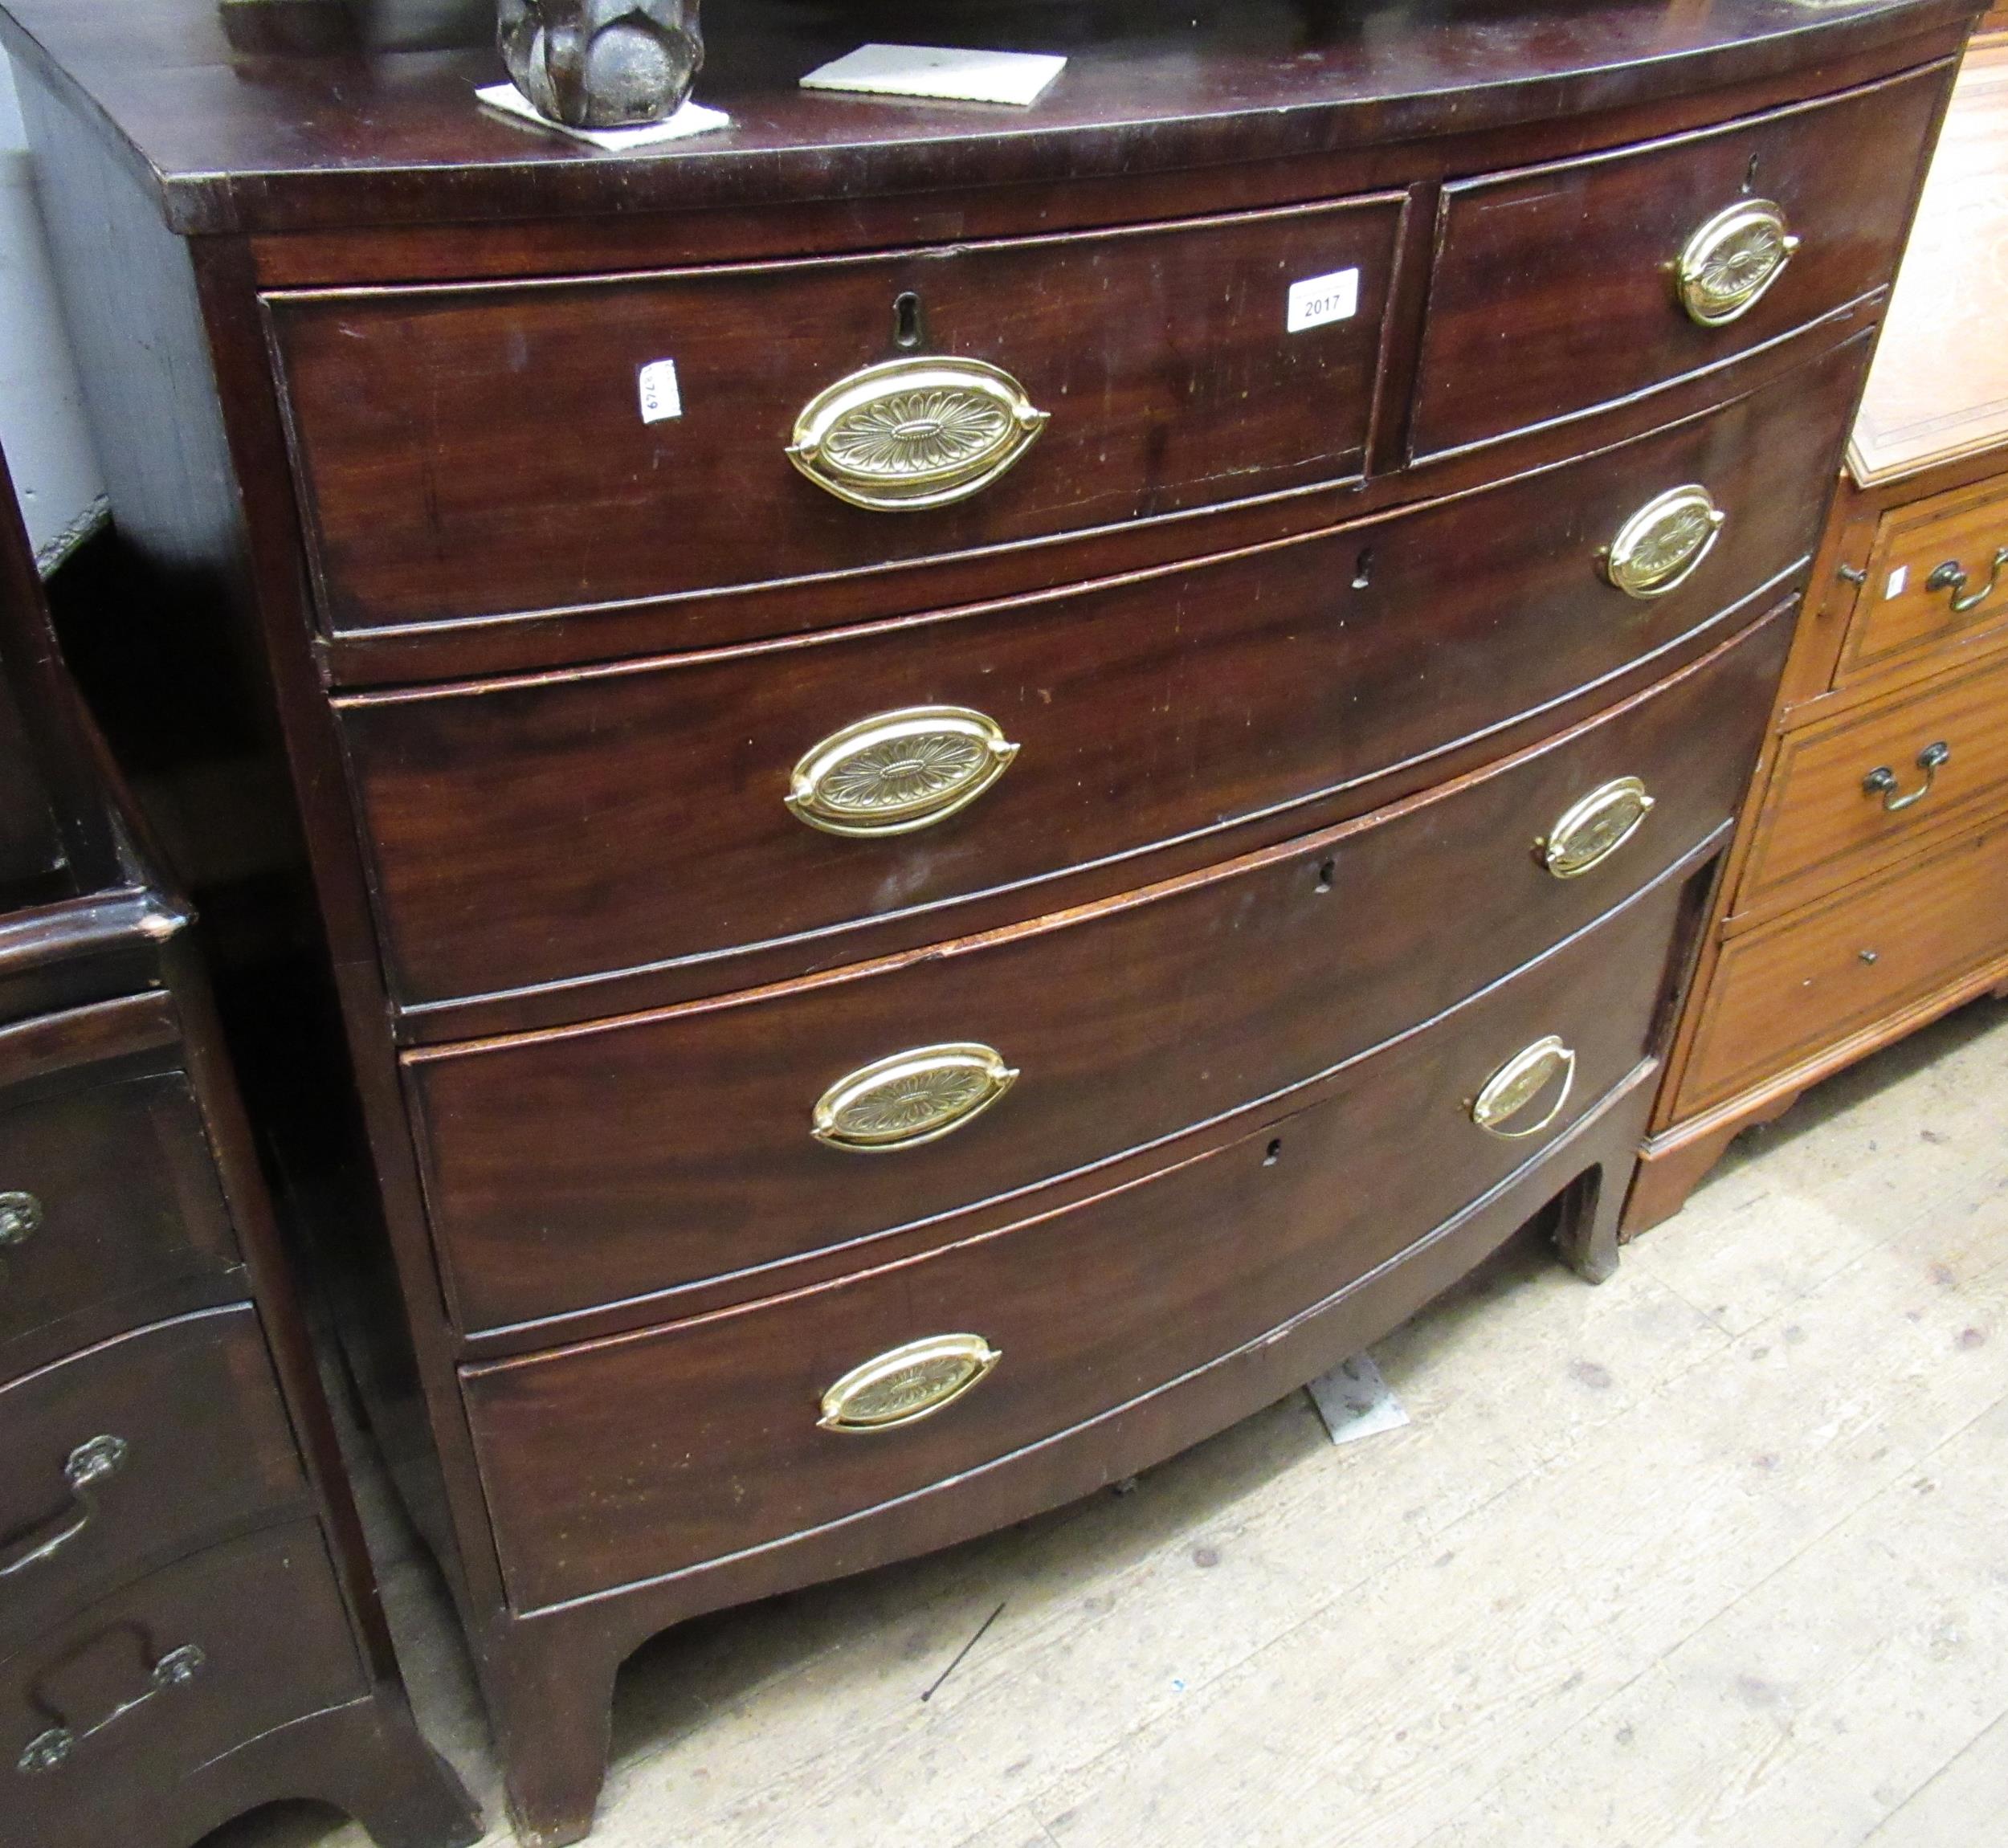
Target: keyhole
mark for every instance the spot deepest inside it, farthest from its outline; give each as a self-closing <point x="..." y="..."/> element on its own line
<point x="1363" y="569"/>
<point x="1326" y="869"/>
<point x="1274" y="1154"/>
<point x="906" y="320"/>
<point x="1749" y="175"/>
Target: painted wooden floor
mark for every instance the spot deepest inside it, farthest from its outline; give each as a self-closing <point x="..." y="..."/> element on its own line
<point x="1716" y="1554"/>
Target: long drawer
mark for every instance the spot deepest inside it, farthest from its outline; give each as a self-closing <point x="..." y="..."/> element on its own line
<point x="742" y="1427"/>
<point x="543" y="829"/>
<point x="162" y="1677"/>
<point x="97" y="1474"/>
<point x="687" y="1144"/>
<point x="1563" y="287"/>
<point x="468" y="451"/>
<point x="1798" y="986"/>
<point x="1863" y="790"/>
<point x="108" y="1194"/>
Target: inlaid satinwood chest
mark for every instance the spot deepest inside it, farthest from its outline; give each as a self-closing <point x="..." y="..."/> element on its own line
<point x="984" y="785"/>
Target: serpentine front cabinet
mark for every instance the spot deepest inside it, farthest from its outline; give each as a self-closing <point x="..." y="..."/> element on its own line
<point x="984" y="785"/>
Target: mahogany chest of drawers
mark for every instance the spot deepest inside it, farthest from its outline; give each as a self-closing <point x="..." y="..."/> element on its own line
<point x="188" y="1624"/>
<point x="983" y="786"/>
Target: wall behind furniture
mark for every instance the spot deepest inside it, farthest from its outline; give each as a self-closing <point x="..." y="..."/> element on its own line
<point x="55" y="472"/>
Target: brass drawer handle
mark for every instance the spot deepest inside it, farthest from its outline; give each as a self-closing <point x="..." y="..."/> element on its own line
<point x="912" y="433"/>
<point x="1662" y="545"/>
<point x="1517" y="1082"/>
<point x="50" y="1750"/>
<point x="89" y="1464"/>
<point x="896" y="771"/>
<point x="1951" y="576"/>
<point x="1882" y="780"/>
<point x="907" y="1383"/>
<point x="1588" y="832"/>
<point x="910" y="1098"/>
<point x="1729" y="261"/>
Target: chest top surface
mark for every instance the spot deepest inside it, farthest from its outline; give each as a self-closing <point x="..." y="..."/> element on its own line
<point x="234" y="138"/>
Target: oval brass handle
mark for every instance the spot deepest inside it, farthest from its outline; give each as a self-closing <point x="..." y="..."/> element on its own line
<point x="1661" y="546"/>
<point x="50" y="1750"/>
<point x="1951" y="576"/>
<point x="910" y="1098"/>
<point x="89" y="1464"/>
<point x="896" y="771"/>
<point x="1882" y="780"/>
<point x="1517" y="1082"/>
<point x="1730" y="260"/>
<point x="912" y="433"/>
<point x="907" y="1384"/>
<point x="1588" y="832"/>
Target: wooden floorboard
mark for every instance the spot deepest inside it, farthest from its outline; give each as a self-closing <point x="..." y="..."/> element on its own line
<point x="1710" y="1556"/>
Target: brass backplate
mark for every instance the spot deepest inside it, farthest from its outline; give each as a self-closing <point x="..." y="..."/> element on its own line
<point x="910" y="1098"/>
<point x="1588" y="832"/>
<point x="1663" y="544"/>
<point x="907" y="1384"/>
<point x="897" y="771"/>
<point x="909" y="435"/>
<point x="1729" y="261"/>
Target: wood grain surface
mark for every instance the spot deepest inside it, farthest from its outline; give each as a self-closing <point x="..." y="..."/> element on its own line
<point x="1553" y="290"/>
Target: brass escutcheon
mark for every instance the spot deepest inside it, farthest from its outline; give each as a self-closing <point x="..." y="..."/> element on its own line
<point x="1661" y="546"/>
<point x="1517" y="1082"/>
<point x="1727" y="263"/>
<point x="910" y="1098"/>
<point x="909" y="434"/>
<point x="1590" y="831"/>
<point x="897" y="771"/>
<point x="907" y="1383"/>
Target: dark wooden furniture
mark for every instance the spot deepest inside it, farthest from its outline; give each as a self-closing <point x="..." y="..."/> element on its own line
<point x="1114" y="787"/>
<point x="1867" y="891"/>
<point x="188" y="1622"/>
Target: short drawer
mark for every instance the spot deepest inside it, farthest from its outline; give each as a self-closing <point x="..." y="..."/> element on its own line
<point x="133" y="1451"/>
<point x="725" y="1436"/>
<point x="539" y="830"/>
<point x="156" y="1680"/>
<point x="1559" y="288"/>
<point x="593" y="1165"/>
<point x="469" y="452"/>
<point x="1788" y="990"/>
<point x="1937" y="579"/>
<point x="1857" y="792"/>
<point x="107" y="1193"/>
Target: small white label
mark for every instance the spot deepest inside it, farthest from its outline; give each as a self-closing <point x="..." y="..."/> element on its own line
<point x="1317" y="300"/>
<point x="660" y="397"/>
<point x="1898" y="579"/>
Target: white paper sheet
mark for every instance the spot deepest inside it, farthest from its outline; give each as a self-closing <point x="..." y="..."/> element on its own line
<point x="1016" y="77"/>
<point x="691" y="118"/>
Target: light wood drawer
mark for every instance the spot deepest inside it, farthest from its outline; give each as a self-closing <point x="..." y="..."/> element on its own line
<point x="1860" y="792"/>
<point x="1929" y="560"/>
<point x="1799" y="986"/>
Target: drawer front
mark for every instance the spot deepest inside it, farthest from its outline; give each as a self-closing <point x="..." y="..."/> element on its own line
<point x="718" y="1446"/>
<point x="1788" y="990"/>
<point x="466" y="452"/>
<point x="1937" y="578"/>
<point x="136" y="1450"/>
<point x="152" y="1683"/>
<point x="1556" y="289"/>
<point x="1862" y="790"/>
<point x="535" y="831"/>
<point x="683" y="1145"/>
<point x="108" y="1191"/>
